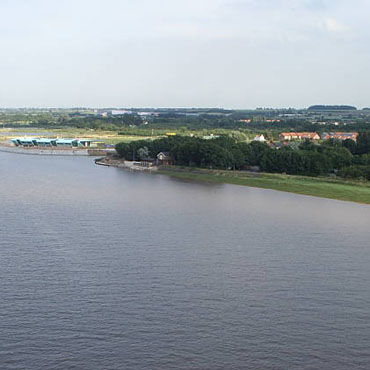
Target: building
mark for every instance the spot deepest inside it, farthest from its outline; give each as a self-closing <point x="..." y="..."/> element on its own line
<point x="288" y="136"/>
<point x="147" y="114"/>
<point x="276" y="145"/>
<point x="210" y="137"/>
<point x="164" y="158"/>
<point x="28" y="142"/>
<point x="340" y="135"/>
<point x="260" y="138"/>
<point x="121" y="112"/>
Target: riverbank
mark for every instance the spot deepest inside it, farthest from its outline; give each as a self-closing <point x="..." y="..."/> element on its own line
<point x="319" y="187"/>
<point x="111" y="161"/>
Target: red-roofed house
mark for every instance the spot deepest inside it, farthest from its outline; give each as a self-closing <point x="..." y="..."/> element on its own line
<point x="299" y="136"/>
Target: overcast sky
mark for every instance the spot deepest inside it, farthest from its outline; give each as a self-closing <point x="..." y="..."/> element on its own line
<point x="184" y="53"/>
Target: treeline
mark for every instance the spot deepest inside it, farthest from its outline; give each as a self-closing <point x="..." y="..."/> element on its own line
<point x="196" y="122"/>
<point x="332" y="107"/>
<point x="212" y="120"/>
<point x="105" y="123"/>
<point x="347" y="158"/>
<point x="48" y="120"/>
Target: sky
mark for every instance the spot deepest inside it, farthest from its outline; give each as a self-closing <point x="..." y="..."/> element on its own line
<point x="184" y="53"/>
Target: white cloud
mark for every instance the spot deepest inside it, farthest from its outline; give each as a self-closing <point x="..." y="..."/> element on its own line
<point x="334" y="26"/>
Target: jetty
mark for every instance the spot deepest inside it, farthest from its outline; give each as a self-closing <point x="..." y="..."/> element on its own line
<point x="111" y="160"/>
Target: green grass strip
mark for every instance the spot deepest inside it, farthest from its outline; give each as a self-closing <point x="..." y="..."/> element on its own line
<point x="319" y="187"/>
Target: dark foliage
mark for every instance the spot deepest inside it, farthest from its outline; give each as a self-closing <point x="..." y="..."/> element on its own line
<point x="226" y="153"/>
<point x="332" y="108"/>
<point x="356" y="172"/>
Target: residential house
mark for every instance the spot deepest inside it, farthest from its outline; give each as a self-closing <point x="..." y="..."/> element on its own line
<point x="164" y="158"/>
<point x="260" y="138"/>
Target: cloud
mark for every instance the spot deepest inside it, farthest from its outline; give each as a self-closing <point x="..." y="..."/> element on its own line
<point x="333" y="26"/>
<point x="183" y="52"/>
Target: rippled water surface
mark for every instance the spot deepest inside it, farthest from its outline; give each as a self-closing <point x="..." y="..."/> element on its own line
<point x="106" y="269"/>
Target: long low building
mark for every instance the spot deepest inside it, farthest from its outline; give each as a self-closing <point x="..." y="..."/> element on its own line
<point x="288" y="136"/>
<point x="299" y="136"/>
<point x="28" y="142"/>
<point x="340" y="135"/>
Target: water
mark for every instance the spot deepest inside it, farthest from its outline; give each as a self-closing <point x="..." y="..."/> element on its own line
<point x="106" y="269"/>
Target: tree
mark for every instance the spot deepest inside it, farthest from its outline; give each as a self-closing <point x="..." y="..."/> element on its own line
<point x="258" y="150"/>
<point x="308" y="145"/>
<point x="361" y="172"/>
<point x="338" y="157"/>
<point x="350" y="145"/>
<point x="363" y="143"/>
<point x="143" y="152"/>
<point x="332" y="142"/>
<point x="214" y="156"/>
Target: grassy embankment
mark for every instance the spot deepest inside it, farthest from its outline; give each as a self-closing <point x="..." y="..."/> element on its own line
<point x="340" y="189"/>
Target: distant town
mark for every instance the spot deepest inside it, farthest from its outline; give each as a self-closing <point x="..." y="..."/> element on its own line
<point x="324" y="120"/>
<point x="321" y="114"/>
<point x="316" y="114"/>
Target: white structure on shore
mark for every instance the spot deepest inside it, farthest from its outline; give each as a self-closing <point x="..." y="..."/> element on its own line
<point x="28" y="142"/>
<point x="260" y="138"/>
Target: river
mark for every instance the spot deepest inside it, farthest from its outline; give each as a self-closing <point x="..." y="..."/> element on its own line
<point x="104" y="269"/>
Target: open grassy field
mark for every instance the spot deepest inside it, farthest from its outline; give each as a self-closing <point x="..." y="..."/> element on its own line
<point x="320" y="187"/>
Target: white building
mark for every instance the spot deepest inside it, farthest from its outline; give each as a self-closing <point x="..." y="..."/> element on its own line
<point x="260" y="138"/>
<point x="121" y="112"/>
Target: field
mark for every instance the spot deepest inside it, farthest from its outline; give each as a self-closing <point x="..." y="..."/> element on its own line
<point x="320" y="187"/>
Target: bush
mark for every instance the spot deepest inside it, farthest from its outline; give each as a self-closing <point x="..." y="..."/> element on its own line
<point x="355" y="172"/>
